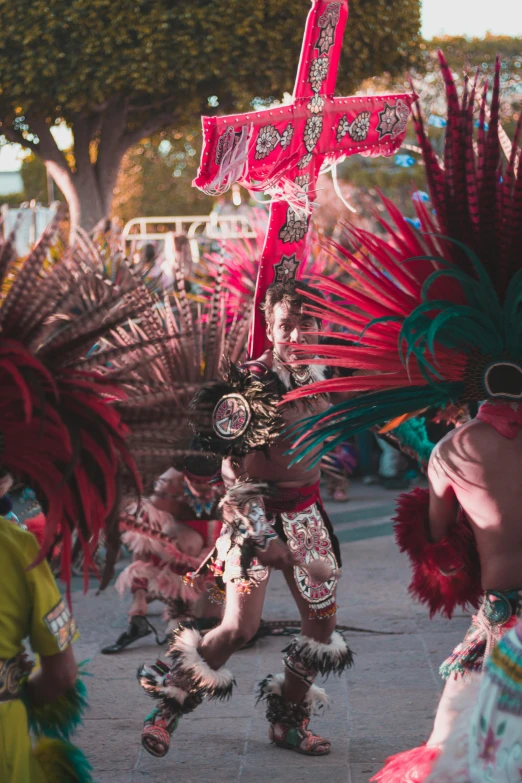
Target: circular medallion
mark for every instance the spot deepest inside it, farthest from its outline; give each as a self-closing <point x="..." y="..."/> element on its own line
<point x="231" y="416"/>
<point x="497" y="608"/>
<point x="316" y="592"/>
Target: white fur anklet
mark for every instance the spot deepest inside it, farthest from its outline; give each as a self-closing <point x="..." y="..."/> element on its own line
<point x="185" y="657"/>
<point x="308" y="654"/>
<point x="315" y="700"/>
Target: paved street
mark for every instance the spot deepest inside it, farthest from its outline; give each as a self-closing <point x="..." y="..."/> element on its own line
<point x="383" y="705"/>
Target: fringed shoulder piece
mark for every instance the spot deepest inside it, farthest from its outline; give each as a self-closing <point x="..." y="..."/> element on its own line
<point x="240" y="414"/>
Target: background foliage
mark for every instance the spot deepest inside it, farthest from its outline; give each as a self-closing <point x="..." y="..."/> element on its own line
<point x="169" y="61"/>
<point x="117" y="73"/>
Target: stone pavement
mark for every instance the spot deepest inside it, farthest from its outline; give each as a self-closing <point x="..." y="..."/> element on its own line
<point x="383" y="705"/>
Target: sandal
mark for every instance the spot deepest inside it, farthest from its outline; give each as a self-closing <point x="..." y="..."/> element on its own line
<point x="157" y="730"/>
<point x="298" y="738"/>
<point x="139" y="627"/>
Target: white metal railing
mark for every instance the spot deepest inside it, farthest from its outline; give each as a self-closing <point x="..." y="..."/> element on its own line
<point x="212" y="226"/>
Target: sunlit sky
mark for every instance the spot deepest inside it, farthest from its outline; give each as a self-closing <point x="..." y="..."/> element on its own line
<point x="471" y="17"/>
<point x="439" y="17"/>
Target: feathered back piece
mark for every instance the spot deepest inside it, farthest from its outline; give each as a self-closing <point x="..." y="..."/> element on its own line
<point x="197" y="337"/>
<point x="475" y="201"/>
<point x="431" y="317"/>
<point x="61" y="433"/>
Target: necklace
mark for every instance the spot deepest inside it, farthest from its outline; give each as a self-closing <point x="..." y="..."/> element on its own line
<point x="301" y="376"/>
<point x="292" y="376"/>
<point x="199" y="507"/>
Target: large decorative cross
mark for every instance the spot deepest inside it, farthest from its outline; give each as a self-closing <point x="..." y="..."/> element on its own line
<point x="280" y="150"/>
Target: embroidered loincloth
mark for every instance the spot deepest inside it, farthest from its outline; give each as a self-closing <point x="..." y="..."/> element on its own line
<point x="299" y="518"/>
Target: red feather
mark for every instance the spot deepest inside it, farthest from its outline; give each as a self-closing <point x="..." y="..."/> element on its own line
<point x="411" y="766"/>
<point x="455" y="555"/>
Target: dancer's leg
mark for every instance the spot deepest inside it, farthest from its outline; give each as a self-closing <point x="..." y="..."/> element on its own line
<point x="139" y="603"/>
<point x="240" y="623"/>
<point x="196" y="670"/>
<point x="295" y="688"/>
<point x="292" y="697"/>
<point x="184" y="537"/>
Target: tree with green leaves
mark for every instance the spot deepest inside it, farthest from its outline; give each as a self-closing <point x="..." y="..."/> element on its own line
<point x="465" y="56"/>
<point x="117" y="72"/>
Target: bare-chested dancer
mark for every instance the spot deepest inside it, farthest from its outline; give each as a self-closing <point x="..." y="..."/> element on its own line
<point x="273" y="518"/>
<point x="478" y="468"/>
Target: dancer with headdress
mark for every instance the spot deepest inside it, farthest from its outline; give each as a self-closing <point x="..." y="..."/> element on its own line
<point x="273" y="513"/>
<point x="437" y="321"/>
<point x="62" y="436"/>
<point x="172" y="529"/>
<point x="274" y="518"/>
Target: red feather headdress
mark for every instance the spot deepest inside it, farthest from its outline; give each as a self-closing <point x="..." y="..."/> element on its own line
<point x="429" y="316"/>
<point x="61" y="433"/>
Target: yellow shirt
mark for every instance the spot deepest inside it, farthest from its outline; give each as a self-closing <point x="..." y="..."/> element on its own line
<point x="30" y="602"/>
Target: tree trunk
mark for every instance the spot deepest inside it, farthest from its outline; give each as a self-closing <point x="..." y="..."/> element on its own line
<point x="94" y="183"/>
<point x="88" y="202"/>
<point x="93" y="193"/>
<point x="89" y="187"/>
<point x="91" y="209"/>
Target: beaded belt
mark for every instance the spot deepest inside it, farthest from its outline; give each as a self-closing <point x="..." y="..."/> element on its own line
<point x="10" y="673"/>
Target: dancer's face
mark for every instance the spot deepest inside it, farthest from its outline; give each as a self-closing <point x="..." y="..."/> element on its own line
<point x="200" y="487"/>
<point x="290" y="325"/>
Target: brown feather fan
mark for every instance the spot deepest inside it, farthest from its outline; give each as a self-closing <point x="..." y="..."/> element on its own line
<point x="196" y="338"/>
<point x="54" y="306"/>
<point x="115" y="370"/>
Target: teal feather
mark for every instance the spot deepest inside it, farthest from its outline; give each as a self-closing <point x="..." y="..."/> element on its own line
<point x="385" y="319"/>
<point x="61" y="718"/>
<point x="478" y="295"/>
<point x="480" y="324"/>
<point x="348" y="418"/>
<point x="512" y="319"/>
<point x="413" y="435"/>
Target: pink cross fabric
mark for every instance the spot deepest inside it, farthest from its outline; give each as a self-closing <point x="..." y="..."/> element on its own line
<point x="281" y="150"/>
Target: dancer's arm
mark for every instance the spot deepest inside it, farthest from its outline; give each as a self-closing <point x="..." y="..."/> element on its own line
<point x="52" y="630"/>
<point x="55" y="675"/>
<point x="168" y="488"/>
<point x="444" y="506"/>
